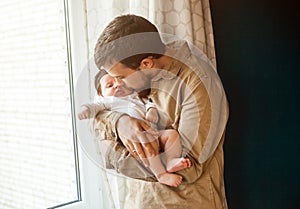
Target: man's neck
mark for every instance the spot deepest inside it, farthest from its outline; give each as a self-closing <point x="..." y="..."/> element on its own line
<point x="162" y="62"/>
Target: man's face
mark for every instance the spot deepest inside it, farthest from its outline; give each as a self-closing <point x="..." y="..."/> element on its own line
<point x="134" y="79"/>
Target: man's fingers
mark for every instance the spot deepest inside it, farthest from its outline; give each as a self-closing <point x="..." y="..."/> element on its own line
<point x="135" y="149"/>
<point x="144" y="126"/>
<point x="136" y="138"/>
<point x="141" y="154"/>
<point x="153" y="132"/>
<point x="129" y="146"/>
<point x="149" y="149"/>
<point x="149" y="130"/>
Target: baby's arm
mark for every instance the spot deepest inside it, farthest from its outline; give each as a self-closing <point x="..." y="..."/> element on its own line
<point x="85" y="113"/>
<point x="152" y="113"/>
<point x="91" y="110"/>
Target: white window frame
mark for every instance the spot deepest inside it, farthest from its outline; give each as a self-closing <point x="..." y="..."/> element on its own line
<point x="91" y="183"/>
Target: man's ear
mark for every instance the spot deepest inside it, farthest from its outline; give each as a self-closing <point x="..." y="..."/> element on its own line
<point x="147" y="63"/>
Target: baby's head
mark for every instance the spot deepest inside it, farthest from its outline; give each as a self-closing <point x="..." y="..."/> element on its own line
<point x="107" y="85"/>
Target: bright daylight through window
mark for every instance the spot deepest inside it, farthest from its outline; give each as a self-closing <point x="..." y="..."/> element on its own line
<point x="37" y="157"/>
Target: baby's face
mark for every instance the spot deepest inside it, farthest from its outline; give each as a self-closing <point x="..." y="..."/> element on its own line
<point x="111" y="86"/>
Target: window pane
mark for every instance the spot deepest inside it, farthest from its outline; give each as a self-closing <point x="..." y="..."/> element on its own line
<point x="37" y="163"/>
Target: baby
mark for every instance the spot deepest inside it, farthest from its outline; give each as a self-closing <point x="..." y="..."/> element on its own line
<point x="112" y="94"/>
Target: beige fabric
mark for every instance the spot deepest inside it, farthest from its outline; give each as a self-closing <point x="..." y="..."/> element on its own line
<point x="188" y="100"/>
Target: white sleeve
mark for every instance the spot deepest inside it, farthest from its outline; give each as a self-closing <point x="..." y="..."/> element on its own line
<point x="100" y="104"/>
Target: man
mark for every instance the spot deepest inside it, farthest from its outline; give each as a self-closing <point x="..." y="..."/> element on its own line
<point x="190" y="98"/>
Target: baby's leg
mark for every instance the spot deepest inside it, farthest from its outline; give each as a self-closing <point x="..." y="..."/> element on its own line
<point x="172" y="148"/>
<point x="162" y="176"/>
<point x="159" y="170"/>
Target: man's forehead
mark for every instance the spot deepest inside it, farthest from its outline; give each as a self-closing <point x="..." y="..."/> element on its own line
<point x="112" y="67"/>
<point x="120" y="71"/>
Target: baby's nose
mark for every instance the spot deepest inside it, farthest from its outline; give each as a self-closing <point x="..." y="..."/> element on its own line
<point x="118" y="82"/>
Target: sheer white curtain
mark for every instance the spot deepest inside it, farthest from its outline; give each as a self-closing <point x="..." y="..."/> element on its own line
<point x="187" y="19"/>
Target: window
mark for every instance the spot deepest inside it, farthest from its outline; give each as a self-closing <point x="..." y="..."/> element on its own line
<point x="38" y="155"/>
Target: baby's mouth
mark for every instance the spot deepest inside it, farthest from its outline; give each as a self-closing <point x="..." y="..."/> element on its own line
<point x="119" y="92"/>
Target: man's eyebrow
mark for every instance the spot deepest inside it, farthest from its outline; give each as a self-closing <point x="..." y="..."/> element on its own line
<point x="119" y="76"/>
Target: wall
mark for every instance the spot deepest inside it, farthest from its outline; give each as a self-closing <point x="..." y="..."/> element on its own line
<point x="257" y="49"/>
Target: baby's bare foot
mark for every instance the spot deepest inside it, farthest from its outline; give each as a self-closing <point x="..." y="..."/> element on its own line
<point x="170" y="179"/>
<point x="178" y="164"/>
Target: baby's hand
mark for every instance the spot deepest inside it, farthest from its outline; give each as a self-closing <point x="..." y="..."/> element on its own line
<point x="152" y="115"/>
<point x="85" y="113"/>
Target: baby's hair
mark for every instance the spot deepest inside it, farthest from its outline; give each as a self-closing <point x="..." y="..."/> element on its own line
<point x="98" y="77"/>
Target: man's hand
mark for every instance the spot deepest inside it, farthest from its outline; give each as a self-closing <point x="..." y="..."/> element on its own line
<point x="137" y="137"/>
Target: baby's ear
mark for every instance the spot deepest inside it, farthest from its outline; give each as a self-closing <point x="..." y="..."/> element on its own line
<point x="99" y="92"/>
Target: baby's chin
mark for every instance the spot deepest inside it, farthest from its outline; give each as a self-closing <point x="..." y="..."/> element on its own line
<point x="122" y="93"/>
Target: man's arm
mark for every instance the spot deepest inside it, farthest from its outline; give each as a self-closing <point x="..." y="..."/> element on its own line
<point x="117" y="156"/>
<point x="202" y="122"/>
